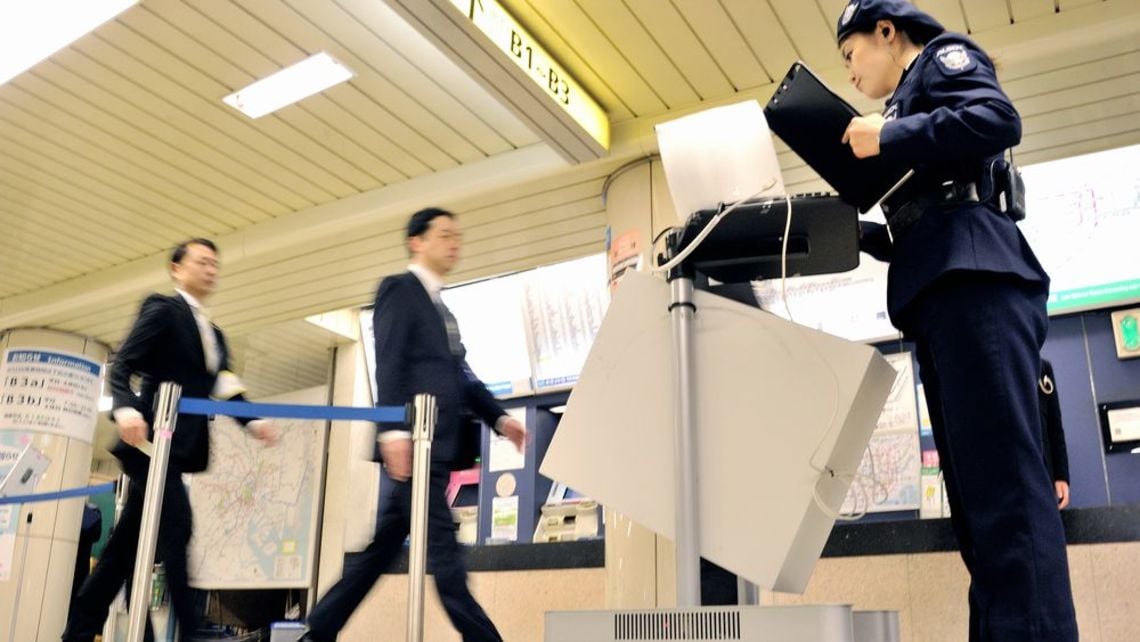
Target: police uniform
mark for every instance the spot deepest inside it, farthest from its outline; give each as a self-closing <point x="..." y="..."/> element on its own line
<point x="964" y="285"/>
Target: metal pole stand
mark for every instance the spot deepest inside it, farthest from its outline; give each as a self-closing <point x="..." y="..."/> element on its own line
<point x="423" y="418"/>
<point x="20" y="575"/>
<point x="165" y="417"/>
<point x="681" y="313"/>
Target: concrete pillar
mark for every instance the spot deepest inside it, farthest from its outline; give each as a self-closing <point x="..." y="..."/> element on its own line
<point x="640" y="566"/>
<point x="49" y="397"/>
<point x="352" y="480"/>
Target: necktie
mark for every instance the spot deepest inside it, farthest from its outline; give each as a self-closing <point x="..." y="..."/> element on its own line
<point x="209" y="339"/>
<point x="452" y="326"/>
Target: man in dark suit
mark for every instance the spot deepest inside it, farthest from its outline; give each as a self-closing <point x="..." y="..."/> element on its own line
<point x="418" y="350"/>
<point x="172" y="340"/>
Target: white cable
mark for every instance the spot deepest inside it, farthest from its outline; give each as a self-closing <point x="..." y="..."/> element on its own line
<point x="784" y="258"/>
<point x="676" y="260"/>
<point x="859" y="486"/>
<point x="861" y="507"/>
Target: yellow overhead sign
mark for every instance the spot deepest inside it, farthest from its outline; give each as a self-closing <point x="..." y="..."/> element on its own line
<point x="508" y="35"/>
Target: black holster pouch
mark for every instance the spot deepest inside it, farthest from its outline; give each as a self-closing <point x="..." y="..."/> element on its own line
<point x="1009" y="189"/>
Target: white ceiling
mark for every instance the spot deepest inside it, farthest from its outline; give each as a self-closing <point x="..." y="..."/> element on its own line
<point x="118" y="146"/>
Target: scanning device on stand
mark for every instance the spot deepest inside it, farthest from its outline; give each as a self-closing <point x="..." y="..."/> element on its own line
<point x="739" y="225"/>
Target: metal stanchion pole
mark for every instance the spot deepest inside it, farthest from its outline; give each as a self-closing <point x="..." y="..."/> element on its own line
<point x="165" y="416"/>
<point x="20" y="576"/>
<point x="423" y="430"/>
<point x="682" y="310"/>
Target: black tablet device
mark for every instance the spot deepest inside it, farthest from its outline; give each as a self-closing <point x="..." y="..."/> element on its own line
<point x="811" y="119"/>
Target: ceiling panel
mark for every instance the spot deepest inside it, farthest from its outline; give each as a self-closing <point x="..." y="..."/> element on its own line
<point x="645" y="53"/>
<point x="670" y="32"/>
<point x="176" y="114"/>
<point x="811" y="30"/>
<point x="185" y="196"/>
<point x="983" y="15"/>
<point x="209" y="48"/>
<point x="769" y="43"/>
<point x="258" y="47"/>
<point x="947" y="12"/>
<point x="284" y="37"/>
<point x="1022" y="10"/>
<point x="719" y="38"/>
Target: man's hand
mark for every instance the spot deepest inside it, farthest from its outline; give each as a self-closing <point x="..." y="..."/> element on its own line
<point x="513" y="430"/>
<point x="397" y="456"/>
<point x="1062" y="489"/>
<point x="133" y="430"/>
<point x="264" y="431"/>
<point x="863" y="135"/>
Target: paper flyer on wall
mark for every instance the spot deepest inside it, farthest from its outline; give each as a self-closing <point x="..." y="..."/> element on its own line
<point x="49" y="391"/>
<point x="505" y="518"/>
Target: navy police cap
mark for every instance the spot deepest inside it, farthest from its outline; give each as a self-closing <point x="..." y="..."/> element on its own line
<point x="860" y="16"/>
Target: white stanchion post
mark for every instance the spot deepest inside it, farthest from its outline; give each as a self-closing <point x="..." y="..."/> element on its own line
<point x="165" y="417"/>
<point x="423" y="430"/>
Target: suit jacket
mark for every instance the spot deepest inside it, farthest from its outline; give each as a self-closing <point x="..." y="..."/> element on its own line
<point x="413" y="357"/>
<point x="164" y="345"/>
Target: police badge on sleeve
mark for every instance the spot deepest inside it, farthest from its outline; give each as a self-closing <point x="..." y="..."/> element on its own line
<point x="954" y="59"/>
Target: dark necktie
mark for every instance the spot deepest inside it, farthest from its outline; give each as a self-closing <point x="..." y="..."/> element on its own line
<point x="452" y="326"/>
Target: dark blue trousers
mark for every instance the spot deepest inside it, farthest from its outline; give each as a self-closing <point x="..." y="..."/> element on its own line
<point x="978" y="338"/>
<point x="445" y="559"/>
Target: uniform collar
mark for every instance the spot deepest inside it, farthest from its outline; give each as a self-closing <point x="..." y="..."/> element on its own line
<point x="430" y="280"/>
<point x="905" y="73"/>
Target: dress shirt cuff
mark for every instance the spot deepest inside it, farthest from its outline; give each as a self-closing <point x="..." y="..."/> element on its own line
<point x="499" y="423"/>
<point x="125" y="413"/>
<point x="393" y="435"/>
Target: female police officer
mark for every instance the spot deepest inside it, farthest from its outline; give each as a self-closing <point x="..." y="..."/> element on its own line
<point x="964" y="285"/>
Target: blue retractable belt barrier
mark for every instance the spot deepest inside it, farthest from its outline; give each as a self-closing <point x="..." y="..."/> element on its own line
<point x="59" y="494"/>
<point x="190" y="406"/>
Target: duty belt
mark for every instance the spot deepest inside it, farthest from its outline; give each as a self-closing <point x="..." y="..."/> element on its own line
<point x="900" y="217"/>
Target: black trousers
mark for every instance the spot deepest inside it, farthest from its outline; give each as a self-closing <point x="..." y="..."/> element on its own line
<point x="117" y="564"/>
<point x="445" y="559"/>
<point x="978" y="338"/>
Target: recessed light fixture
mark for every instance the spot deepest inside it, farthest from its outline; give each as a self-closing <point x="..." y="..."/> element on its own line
<point x="310" y="76"/>
<point x="32" y="30"/>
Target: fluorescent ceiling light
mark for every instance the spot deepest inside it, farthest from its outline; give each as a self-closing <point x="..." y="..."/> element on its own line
<point x="31" y="30"/>
<point x="312" y="75"/>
